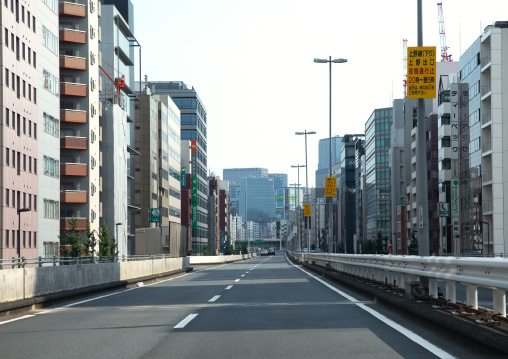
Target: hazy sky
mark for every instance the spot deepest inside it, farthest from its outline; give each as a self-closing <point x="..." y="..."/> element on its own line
<point x="251" y="62"/>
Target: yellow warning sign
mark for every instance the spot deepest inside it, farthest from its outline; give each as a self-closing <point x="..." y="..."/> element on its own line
<point x="421" y="72"/>
<point x="330" y="186"/>
<point x="306" y="210"/>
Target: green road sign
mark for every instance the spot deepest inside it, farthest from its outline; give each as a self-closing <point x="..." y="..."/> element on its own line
<point x="154" y="215"/>
<point x="444" y="209"/>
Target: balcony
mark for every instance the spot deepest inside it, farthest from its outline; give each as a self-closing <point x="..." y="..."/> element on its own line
<point x="73" y="197"/>
<point x="73" y="116"/>
<point x="72" y="63"/>
<point x="487" y="206"/>
<point x="73" y="36"/>
<point x="72" y="89"/>
<point x="71" y="9"/>
<point x="486" y="90"/>
<point x="485" y="61"/>
<point x="73" y="143"/>
<point x="74" y="169"/>
<point x="64" y="224"/>
<point x="486" y="146"/>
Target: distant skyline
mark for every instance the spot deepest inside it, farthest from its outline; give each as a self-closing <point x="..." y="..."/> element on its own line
<point x="251" y="63"/>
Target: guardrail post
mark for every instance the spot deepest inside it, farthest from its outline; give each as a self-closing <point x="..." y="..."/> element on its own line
<point x="40" y="261"/>
<point x="499" y="302"/>
<point x="54" y="261"/>
<point x="77" y="260"/>
<point x="13" y="262"/>
<point x="472" y="296"/>
<point x="433" y="288"/>
<point x="451" y="292"/>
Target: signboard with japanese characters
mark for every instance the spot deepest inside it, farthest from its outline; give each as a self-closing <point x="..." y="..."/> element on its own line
<point x="421" y="72"/>
<point x="330" y="186"/>
<point x="306" y="210"/>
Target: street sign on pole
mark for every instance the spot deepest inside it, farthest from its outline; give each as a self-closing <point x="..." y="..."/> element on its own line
<point x="444" y="209"/>
<point x="330" y="186"/>
<point x="421" y="72"/>
<point x="306" y="210"/>
<point x="154" y="215"/>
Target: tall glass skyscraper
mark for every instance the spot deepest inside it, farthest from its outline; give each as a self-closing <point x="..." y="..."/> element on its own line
<point x="257" y="199"/>
<point x="324" y="158"/>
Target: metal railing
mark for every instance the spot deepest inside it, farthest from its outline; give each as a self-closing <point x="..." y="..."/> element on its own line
<point x="59" y="261"/>
<point x="397" y="270"/>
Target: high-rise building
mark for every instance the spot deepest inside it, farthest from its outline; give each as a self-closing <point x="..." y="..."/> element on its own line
<point x="257" y="202"/>
<point x="80" y="107"/>
<point x="233" y="175"/>
<point x="118" y="207"/>
<point x="193" y="128"/>
<point x="48" y="128"/>
<point x="280" y="180"/>
<point x="377" y="146"/>
<point x="21" y="164"/>
<point x="324" y="158"/>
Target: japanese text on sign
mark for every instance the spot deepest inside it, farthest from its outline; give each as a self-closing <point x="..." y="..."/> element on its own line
<point x="306" y="210"/>
<point x="421" y="72"/>
<point x="330" y="186"/>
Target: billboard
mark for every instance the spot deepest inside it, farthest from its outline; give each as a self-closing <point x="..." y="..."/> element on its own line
<point x="194" y="202"/>
<point x="292" y="198"/>
<point x="279" y="198"/>
<point x="421" y="72"/>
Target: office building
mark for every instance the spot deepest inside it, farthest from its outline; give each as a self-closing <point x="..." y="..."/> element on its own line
<point x="257" y="199"/>
<point x="280" y="180"/>
<point x="193" y="127"/>
<point x="233" y="175"/>
<point x="324" y="158"/>
<point x="377" y="146"/>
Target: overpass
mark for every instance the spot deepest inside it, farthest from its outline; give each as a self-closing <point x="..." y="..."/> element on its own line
<point x="262" y="306"/>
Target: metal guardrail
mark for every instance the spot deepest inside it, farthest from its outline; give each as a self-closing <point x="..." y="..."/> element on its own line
<point x="397" y="270"/>
<point x="56" y="261"/>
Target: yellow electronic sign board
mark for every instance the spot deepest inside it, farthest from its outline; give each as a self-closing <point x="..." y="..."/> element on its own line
<point x="421" y="72"/>
<point x="330" y="186"/>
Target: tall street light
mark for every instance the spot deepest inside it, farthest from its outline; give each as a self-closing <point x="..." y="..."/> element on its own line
<point x="306" y="180"/>
<point x="329" y="61"/>
<point x="19" y="228"/>
<point x="298" y="203"/>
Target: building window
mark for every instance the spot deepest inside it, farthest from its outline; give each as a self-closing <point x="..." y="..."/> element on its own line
<point x="51" y="209"/>
<point x="51" y="167"/>
<point x="51" y="83"/>
<point x="51" y="125"/>
<point x="50" y="40"/>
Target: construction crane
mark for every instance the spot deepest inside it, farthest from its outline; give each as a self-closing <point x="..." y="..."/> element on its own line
<point x="444" y="49"/>
<point x="119" y="85"/>
<point x="404" y="64"/>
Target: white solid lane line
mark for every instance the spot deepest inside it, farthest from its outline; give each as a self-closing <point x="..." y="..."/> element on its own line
<point x="186" y="321"/>
<point x="404" y="331"/>
<point x="15" y="319"/>
<point x="229" y="287"/>
<point x="214" y="299"/>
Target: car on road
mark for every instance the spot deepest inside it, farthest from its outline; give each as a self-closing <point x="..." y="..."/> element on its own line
<point x="271" y="251"/>
<point x="263" y="252"/>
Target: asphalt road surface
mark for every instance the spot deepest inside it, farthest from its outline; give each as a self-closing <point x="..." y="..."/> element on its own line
<point x="261" y="308"/>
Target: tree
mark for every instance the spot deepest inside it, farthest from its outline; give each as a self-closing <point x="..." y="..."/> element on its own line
<point x="205" y="250"/>
<point x="412" y="249"/>
<point x="381" y="243"/>
<point x="107" y="246"/>
<point x="368" y="247"/>
<point x="228" y="250"/>
<point x="72" y="238"/>
<point x="89" y="243"/>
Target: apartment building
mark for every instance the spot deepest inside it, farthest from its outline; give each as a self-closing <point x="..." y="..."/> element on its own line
<point x="80" y="108"/>
<point x="48" y="135"/>
<point x="19" y="147"/>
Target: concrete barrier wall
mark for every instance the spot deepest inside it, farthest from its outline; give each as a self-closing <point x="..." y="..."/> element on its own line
<point x="19" y="283"/>
<point x="219" y="259"/>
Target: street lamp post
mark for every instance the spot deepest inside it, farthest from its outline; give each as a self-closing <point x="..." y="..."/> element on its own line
<point x="307" y="180"/>
<point x="19" y="228"/>
<point x="296" y="205"/>
<point x="329" y="61"/>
